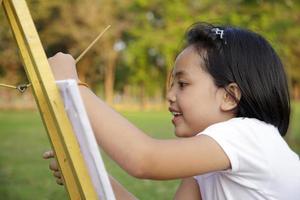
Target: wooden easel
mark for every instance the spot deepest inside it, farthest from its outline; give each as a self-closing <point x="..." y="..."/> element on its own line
<point x="70" y="160"/>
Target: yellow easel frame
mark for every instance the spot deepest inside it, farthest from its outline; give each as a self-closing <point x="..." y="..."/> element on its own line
<point x="63" y="140"/>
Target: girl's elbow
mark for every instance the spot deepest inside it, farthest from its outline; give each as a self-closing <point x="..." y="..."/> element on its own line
<point x="140" y="169"/>
<point x="137" y="173"/>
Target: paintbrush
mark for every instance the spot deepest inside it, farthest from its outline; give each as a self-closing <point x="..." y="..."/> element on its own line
<point x="92" y="44"/>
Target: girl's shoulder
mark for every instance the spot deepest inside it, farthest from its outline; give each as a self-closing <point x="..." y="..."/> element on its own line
<point x="242" y="126"/>
<point x="247" y="141"/>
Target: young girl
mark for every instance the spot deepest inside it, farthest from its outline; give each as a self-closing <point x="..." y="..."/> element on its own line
<point x="231" y="107"/>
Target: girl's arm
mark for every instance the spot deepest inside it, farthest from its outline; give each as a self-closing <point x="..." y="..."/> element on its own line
<point x="136" y="152"/>
<point x="119" y="191"/>
<point x="146" y="157"/>
<point x="188" y="189"/>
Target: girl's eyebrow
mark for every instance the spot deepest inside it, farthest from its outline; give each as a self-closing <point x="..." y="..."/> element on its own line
<point x="180" y="73"/>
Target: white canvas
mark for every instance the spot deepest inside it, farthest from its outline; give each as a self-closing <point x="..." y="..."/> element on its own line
<point x="76" y="112"/>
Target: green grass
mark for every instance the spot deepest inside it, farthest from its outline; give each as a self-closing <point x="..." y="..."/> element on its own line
<point x="25" y="175"/>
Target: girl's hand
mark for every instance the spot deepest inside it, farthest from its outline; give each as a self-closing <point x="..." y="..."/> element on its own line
<point x="119" y="191"/>
<point x="63" y="66"/>
<point x="54" y="167"/>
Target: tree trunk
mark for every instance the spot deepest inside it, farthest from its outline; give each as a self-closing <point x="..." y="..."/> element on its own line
<point x="296" y="92"/>
<point x="109" y="78"/>
<point x="142" y="96"/>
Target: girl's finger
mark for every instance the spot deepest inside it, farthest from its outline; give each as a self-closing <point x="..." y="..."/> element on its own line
<point x="48" y="154"/>
<point x="59" y="181"/>
<point x="57" y="174"/>
<point x="53" y="165"/>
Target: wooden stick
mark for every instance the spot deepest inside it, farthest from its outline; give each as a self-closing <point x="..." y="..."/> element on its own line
<point x="8" y="86"/>
<point x="77" y="59"/>
<point x="92" y="44"/>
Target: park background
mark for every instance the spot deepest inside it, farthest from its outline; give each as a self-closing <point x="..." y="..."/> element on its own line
<point x="129" y="68"/>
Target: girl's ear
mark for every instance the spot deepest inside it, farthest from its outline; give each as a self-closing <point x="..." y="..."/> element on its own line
<point x="231" y="97"/>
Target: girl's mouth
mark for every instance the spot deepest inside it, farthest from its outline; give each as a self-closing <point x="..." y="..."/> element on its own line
<point x="177" y="117"/>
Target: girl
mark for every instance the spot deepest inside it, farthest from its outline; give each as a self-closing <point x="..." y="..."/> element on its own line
<point x="231" y="107"/>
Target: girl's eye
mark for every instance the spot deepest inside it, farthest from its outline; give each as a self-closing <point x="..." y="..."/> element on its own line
<point x="182" y="84"/>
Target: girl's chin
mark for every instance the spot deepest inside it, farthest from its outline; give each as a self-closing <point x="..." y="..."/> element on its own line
<point x="184" y="134"/>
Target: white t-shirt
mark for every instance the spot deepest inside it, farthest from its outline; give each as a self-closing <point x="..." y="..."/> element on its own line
<point x="262" y="164"/>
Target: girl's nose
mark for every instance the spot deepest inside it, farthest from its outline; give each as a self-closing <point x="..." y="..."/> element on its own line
<point x="171" y="96"/>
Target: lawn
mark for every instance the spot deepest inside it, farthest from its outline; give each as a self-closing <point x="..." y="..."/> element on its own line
<point x="25" y="175"/>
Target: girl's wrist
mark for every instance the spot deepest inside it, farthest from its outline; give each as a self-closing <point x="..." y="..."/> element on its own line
<point x="80" y="83"/>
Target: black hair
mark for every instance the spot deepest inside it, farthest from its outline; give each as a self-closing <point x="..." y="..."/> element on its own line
<point x="235" y="55"/>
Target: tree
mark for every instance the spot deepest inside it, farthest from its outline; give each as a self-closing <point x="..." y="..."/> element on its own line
<point x="151" y="35"/>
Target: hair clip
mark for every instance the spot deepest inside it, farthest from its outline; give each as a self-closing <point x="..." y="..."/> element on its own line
<point x="218" y="32"/>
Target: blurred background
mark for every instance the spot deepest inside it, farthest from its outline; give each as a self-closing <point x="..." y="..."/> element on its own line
<point x="129" y="68"/>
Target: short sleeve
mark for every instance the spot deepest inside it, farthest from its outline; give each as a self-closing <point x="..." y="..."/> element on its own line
<point x="226" y="145"/>
<point x="237" y="138"/>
